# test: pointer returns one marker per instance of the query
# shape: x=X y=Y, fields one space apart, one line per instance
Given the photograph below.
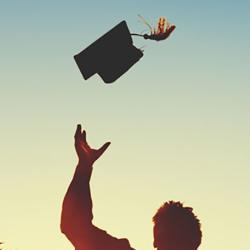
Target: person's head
x=176 y=227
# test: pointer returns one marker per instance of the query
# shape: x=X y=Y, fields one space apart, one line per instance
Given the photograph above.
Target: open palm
x=85 y=153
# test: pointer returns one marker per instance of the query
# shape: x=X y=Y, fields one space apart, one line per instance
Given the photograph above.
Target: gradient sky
x=178 y=120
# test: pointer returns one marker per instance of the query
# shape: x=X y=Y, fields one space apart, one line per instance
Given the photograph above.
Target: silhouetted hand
x=85 y=153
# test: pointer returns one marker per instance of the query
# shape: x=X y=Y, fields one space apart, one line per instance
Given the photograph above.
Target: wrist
x=85 y=164
x=85 y=168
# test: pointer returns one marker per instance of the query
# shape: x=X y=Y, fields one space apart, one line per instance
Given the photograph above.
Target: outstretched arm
x=77 y=205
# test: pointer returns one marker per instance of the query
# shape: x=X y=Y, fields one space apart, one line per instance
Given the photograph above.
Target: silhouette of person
x=175 y=226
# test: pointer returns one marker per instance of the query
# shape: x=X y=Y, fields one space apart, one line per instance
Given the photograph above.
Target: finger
x=101 y=150
x=84 y=136
x=78 y=131
x=84 y=140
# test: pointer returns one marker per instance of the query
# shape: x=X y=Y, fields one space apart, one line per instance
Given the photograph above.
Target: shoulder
x=107 y=241
x=124 y=244
x=97 y=239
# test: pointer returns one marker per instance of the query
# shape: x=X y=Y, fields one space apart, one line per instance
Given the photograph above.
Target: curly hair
x=176 y=227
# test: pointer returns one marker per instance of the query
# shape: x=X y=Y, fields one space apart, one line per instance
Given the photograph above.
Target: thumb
x=101 y=150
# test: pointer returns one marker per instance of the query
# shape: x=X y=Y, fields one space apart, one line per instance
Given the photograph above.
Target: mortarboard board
x=110 y=56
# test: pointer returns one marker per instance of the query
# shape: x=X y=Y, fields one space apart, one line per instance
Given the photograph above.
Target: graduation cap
x=110 y=56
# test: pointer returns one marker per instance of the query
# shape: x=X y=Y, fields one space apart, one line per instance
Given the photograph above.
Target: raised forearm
x=81 y=190
x=77 y=204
